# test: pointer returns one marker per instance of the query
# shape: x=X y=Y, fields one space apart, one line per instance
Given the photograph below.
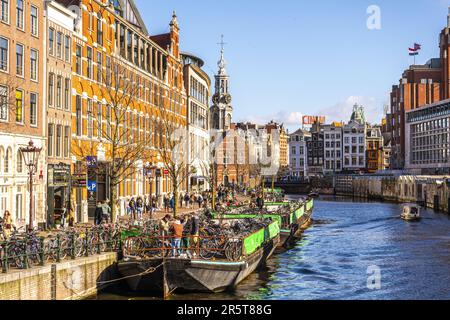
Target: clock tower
x=221 y=111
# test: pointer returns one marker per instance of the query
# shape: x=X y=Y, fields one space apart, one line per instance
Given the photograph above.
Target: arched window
x=1 y=158
x=19 y=162
x=8 y=151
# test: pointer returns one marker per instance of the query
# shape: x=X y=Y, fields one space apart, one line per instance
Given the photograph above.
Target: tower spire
x=222 y=62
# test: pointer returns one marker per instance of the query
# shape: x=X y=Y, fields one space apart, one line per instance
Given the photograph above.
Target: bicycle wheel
x=80 y=250
x=65 y=249
x=207 y=247
x=49 y=251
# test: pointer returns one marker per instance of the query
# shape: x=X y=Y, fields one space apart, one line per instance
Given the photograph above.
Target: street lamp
x=30 y=154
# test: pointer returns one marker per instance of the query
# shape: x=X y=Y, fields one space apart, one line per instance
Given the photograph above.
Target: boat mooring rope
x=148 y=271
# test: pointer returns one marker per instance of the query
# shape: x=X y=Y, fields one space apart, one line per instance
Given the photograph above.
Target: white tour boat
x=411 y=212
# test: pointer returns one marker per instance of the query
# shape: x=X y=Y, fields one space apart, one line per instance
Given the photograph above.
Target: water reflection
x=331 y=260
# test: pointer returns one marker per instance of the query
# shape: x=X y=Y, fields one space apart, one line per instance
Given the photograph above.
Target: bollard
x=85 y=242
x=110 y=241
x=58 y=248
x=98 y=242
x=25 y=257
x=5 y=265
x=41 y=252
x=72 y=246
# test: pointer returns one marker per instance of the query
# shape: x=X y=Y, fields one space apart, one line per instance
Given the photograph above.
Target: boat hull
x=186 y=275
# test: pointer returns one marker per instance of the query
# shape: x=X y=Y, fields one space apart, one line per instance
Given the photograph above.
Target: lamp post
x=30 y=154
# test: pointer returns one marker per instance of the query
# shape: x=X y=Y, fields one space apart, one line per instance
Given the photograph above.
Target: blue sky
x=292 y=57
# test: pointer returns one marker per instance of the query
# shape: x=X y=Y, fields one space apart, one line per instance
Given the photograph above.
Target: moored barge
x=292 y=217
x=167 y=274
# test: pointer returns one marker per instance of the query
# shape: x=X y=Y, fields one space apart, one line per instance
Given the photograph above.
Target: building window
x=108 y=120
x=58 y=140
x=79 y=114
x=19 y=162
x=59 y=45
x=33 y=109
x=67 y=48
x=19 y=60
x=99 y=67
x=33 y=64
x=51 y=88
x=66 y=141
x=4 y=14
x=58 y=91
x=67 y=94
x=6 y=161
x=51 y=41
x=19 y=106
x=99 y=120
x=19 y=204
x=50 y=140
x=99 y=30
x=89 y=63
x=78 y=60
x=34 y=21
x=4 y=108
x=19 y=14
x=108 y=70
x=89 y=119
x=4 y=55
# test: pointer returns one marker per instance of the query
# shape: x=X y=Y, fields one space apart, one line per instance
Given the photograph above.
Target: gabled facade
x=109 y=37
x=22 y=112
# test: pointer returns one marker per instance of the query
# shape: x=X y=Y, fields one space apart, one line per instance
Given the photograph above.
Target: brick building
x=22 y=115
x=114 y=52
x=58 y=101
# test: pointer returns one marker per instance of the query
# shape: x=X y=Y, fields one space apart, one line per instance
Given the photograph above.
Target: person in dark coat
x=99 y=213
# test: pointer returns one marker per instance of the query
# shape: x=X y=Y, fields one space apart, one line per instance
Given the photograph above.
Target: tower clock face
x=216 y=98
x=227 y=99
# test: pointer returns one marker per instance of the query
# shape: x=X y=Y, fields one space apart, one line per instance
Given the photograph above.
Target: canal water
x=350 y=249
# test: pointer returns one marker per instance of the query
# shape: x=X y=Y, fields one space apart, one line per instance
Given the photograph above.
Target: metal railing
x=24 y=251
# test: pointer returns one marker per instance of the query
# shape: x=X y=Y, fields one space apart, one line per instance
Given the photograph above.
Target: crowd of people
x=183 y=232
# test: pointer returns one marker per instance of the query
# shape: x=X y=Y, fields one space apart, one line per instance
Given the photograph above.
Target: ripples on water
x=331 y=260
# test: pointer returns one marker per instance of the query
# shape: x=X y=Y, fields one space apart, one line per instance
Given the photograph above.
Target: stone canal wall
x=432 y=191
x=70 y=280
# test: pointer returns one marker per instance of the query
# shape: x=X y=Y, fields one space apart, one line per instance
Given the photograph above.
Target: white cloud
x=287 y=118
x=342 y=111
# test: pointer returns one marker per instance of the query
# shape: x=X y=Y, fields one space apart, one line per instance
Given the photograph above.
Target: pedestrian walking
x=185 y=243
x=186 y=200
x=195 y=230
x=172 y=203
x=7 y=225
x=166 y=201
x=139 y=208
x=99 y=213
x=106 y=215
x=200 y=200
x=177 y=234
x=132 y=205
x=164 y=225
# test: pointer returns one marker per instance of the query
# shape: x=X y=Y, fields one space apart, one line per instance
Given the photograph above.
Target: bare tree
x=172 y=150
x=121 y=132
x=8 y=101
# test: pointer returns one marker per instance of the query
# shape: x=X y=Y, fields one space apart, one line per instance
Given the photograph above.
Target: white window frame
x=6 y=103
x=20 y=27
x=7 y=55
x=36 y=79
x=23 y=60
x=34 y=28
x=37 y=110
x=8 y=15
